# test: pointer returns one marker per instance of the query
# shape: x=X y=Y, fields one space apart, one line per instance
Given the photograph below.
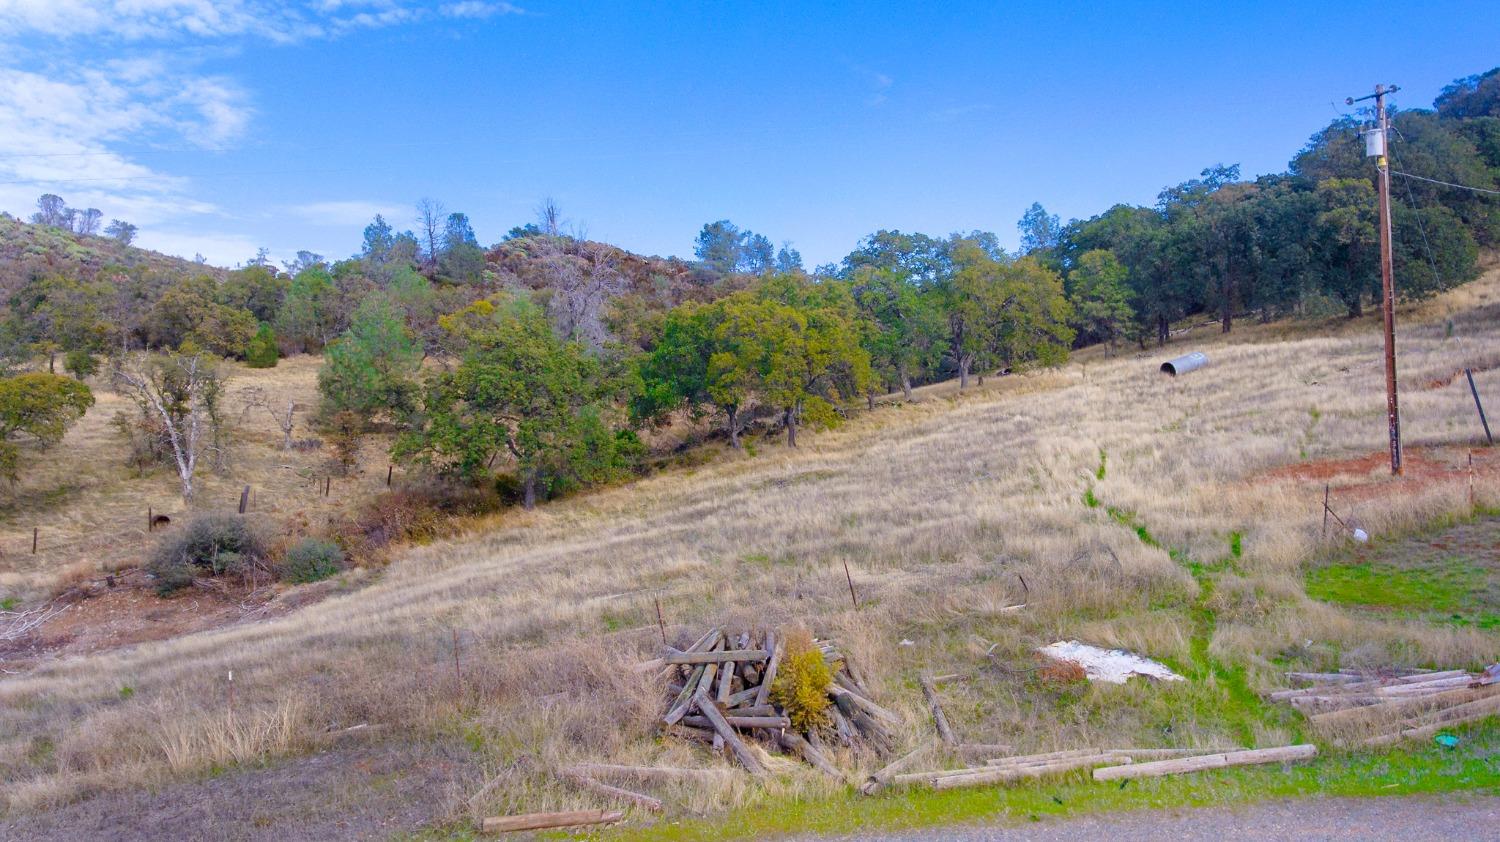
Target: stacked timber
x=719 y=691
x=1382 y=710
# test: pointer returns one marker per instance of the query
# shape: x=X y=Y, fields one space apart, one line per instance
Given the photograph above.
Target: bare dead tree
x=430 y=218
x=549 y=215
x=183 y=393
x=255 y=397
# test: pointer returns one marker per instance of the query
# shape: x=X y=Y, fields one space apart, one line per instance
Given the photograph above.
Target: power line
x=1422 y=229
x=1447 y=183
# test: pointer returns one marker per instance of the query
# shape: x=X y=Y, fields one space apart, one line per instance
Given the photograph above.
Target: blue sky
x=219 y=126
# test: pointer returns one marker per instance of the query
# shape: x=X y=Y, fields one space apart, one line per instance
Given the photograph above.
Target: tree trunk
x=734 y=427
x=528 y=501
x=870 y=400
x=1163 y=330
x=791 y=427
x=964 y=361
x=906 y=385
x=1356 y=306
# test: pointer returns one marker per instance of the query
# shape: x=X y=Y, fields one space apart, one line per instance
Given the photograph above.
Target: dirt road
x=1409 y=819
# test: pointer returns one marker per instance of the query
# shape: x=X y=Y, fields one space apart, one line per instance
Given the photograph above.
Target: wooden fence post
x=1479 y=406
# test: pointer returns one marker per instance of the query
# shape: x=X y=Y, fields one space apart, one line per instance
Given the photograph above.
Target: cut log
x=1007 y=774
x=649 y=773
x=726 y=676
x=841 y=726
x=1322 y=677
x=1438 y=720
x=731 y=739
x=979 y=750
x=1397 y=708
x=792 y=741
x=540 y=821
x=1045 y=757
x=1282 y=754
x=770 y=677
x=751 y=710
x=878 y=781
x=1374 y=685
x=864 y=704
x=737 y=721
x=718 y=657
x=1160 y=753
x=748 y=696
x=1436 y=686
x=938 y=719
x=648 y=666
x=640 y=800
x=684 y=699
x=709 y=640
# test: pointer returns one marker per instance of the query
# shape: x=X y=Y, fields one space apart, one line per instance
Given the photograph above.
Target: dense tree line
x=1300 y=242
x=539 y=359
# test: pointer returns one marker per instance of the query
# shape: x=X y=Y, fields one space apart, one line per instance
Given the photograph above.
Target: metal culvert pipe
x=1185 y=363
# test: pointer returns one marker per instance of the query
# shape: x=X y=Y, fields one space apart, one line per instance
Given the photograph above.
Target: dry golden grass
x=940 y=508
x=90 y=508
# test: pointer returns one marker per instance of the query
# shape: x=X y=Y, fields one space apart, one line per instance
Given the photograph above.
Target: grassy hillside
x=1175 y=517
x=26 y=249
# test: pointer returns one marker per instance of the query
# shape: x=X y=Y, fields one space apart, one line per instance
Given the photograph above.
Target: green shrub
x=262 y=352
x=801 y=687
x=208 y=544
x=312 y=559
x=80 y=364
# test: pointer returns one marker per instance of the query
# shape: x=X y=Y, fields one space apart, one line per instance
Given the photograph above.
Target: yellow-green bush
x=802 y=682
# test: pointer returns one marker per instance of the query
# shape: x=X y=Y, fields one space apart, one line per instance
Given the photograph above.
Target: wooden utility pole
x=1376 y=147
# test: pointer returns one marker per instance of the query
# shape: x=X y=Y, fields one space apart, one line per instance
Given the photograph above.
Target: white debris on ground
x=1113 y=665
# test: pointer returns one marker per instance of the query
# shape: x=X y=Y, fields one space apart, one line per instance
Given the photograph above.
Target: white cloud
x=56 y=134
x=221 y=249
x=351 y=212
x=477 y=9
x=142 y=20
x=67 y=116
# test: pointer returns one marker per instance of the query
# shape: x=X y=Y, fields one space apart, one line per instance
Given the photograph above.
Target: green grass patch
x=1386 y=585
x=1416 y=769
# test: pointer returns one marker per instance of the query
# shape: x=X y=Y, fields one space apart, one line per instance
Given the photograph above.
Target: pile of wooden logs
x=1375 y=710
x=1107 y=764
x=720 y=692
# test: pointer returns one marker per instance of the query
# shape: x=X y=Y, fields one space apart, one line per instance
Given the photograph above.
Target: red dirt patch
x=1368 y=477
x=124 y=610
x=1440 y=382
